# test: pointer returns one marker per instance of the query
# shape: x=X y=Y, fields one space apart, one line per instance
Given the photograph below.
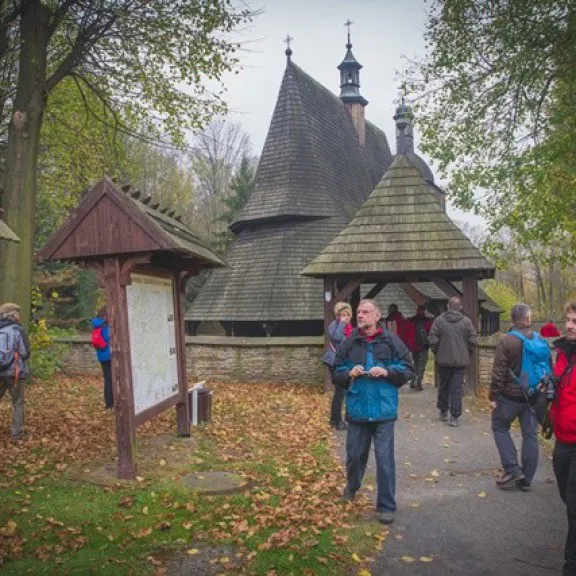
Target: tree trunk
x=19 y=195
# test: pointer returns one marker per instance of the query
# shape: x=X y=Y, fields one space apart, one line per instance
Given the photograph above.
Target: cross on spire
x=348 y=23
x=287 y=41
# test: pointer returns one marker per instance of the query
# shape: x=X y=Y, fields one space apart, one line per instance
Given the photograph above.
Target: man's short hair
x=520 y=312
x=571 y=308
x=454 y=303
x=393 y=307
x=8 y=309
x=368 y=301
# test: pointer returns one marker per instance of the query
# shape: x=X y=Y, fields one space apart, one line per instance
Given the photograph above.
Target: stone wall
x=251 y=359
x=229 y=359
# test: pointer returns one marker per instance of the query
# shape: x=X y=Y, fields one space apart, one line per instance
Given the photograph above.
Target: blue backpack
x=535 y=361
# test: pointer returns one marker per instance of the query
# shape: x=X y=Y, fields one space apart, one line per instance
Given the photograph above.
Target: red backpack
x=97 y=339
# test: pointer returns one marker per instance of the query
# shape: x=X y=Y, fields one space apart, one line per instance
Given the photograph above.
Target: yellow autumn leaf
x=356 y=558
x=426 y=559
x=192 y=551
x=482 y=495
x=408 y=559
x=364 y=572
x=435 y=473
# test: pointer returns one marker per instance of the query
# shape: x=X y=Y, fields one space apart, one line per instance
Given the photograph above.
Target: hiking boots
x=523 y=484
x=454 y=422
x=385 y=517
x=508 y=481
x=444 y=415
x=348 y=496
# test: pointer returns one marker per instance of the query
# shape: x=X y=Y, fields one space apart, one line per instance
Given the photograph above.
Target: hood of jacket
x=453 y=315
x=567 y=346
x=98 y=322
x=8 y=322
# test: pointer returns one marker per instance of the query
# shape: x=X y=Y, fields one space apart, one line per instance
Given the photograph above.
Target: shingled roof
x=312 y=177
x=402 y=230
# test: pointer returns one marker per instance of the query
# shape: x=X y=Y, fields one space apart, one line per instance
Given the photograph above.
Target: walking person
x=340 y=328
x=519 y=351
x=422 y=325
x=452 y=339
x=14 y=371
x=563 y=416
x=371 y=365
x=101 y=342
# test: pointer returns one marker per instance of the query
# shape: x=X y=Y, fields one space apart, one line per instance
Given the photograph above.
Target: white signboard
x=152 y=340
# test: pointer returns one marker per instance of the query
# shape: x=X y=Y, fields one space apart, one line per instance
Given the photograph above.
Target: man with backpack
x=422 y=325
x=521 y=361
x=14 y=353
x=101 y=343
x=563 y=416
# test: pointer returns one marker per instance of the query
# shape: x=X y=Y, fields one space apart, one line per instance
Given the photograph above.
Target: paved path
x=461 y=519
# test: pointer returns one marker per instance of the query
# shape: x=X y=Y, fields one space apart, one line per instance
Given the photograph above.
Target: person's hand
x=378 y=372
x=357 y=371
x=493 y=404
x=345 y=317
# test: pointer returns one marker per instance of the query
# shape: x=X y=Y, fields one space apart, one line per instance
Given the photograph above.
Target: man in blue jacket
x=372 y=364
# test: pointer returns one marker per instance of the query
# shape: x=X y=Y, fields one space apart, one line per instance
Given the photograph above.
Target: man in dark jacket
x=14 y=353
x=372 y=364
x=509 y=401
x=422 y=325
x=563 y=416
x=452 y=339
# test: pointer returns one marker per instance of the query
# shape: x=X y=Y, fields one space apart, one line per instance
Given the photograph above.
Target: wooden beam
x=347 y=291
x=178 y=293
x=329 y=296
x=470 y=308
x=446 y=287
x=414 y=294
x=375 y=290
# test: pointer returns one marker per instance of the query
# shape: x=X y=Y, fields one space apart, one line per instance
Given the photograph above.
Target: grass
x=288 y=519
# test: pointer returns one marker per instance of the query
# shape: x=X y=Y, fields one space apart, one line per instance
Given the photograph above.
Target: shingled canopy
x=312 y=177
x=402 y=234
x=118 y=233
x=5 y=232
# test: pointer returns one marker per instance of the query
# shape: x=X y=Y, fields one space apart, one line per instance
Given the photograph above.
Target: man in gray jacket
x=14 y=352
x=452 y=339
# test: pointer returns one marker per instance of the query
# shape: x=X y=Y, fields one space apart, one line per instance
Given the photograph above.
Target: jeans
x=358 y=444
x=450 y=390
x=108 y=395
x=17 y=394
x=336 y=409
x=420 y=357
x=502 y=416
x=564 y=462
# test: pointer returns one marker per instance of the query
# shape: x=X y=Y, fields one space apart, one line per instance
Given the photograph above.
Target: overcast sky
x=384 y=34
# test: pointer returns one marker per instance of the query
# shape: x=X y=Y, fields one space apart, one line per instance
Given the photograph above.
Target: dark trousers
x=336 y=409
x=420 y=358
x=502 y=417
x=108 y=396
x=564 y=462
x=450 y=390
x=358 y=444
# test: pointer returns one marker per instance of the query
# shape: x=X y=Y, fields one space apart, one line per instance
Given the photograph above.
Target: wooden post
x=182 y=416
x=354 y=301
x=470 y=305
x=329 y=290
x=115 y=281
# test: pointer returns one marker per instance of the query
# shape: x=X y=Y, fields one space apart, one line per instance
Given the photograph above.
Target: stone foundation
x=233 y=359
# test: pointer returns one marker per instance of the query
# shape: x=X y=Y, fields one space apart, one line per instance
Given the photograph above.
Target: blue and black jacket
x=372 y=399
x=104 y=354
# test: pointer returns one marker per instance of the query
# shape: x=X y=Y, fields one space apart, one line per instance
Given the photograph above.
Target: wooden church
x=321 y=161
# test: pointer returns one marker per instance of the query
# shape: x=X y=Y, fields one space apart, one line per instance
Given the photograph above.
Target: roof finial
x=287 y=41
x=348 y=23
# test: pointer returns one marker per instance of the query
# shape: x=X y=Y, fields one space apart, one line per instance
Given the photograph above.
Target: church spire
x=350 y=75
x=404 y=130
x=288 y=50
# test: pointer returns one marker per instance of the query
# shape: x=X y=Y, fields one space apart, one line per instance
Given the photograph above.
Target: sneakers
x=507 y=481
x=340 y=426
x=385 y=517
x=348 y=496
x=522 y=484
x=454 y=422
x=444 y=415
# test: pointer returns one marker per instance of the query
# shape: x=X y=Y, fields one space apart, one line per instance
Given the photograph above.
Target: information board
x=152 y=340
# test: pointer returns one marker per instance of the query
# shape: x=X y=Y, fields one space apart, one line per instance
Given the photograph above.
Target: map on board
x=152 y=340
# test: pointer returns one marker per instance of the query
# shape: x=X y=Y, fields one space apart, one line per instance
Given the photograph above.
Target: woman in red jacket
x=563 y=416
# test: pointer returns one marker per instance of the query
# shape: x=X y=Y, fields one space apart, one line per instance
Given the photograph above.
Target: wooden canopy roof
x=112 y=221
x=5 y=232
x=401 y=232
